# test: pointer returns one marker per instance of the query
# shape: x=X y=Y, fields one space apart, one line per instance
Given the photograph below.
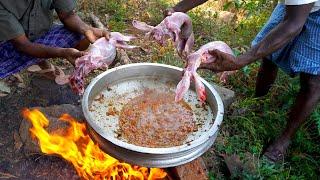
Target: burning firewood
x=76 y=146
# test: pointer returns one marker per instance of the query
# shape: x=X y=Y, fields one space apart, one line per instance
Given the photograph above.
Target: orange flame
x=77 y=147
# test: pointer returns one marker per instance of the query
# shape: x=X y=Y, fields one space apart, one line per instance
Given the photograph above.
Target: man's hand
x=92 y=34
x=222 y=62
x=23 y=44
x=183 y=6
x=168 y=12
x=72 y=54
x=73 y=22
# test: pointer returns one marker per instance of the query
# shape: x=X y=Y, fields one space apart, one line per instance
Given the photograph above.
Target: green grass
x=250 y=123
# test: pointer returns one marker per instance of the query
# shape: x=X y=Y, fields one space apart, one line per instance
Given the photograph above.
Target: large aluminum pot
x=123 y=80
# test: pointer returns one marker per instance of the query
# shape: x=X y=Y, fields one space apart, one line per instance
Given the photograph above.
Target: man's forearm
x=39 y=50
x=281 y=35
x=186 y=5
x=73 y=22
x=275 y=40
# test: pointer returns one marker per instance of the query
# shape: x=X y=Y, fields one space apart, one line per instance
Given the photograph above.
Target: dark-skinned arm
x=287 y=30
x=23 y=44
x=184 y=6
x=74 y=23
x=283 y=33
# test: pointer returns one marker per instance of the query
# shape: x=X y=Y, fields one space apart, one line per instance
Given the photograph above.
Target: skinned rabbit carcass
x=194 y=60
x=100 y=55
x=177 y=26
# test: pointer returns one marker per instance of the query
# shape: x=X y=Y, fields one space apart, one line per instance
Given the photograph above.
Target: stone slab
x=227 y=95
x=53 y=93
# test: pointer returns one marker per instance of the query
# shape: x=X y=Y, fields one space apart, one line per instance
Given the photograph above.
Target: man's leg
x=306 y=101
x=266 y=77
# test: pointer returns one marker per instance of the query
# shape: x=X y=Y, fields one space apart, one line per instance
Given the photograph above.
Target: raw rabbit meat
x=100 y=55
x=177 y=26
x=194 y=60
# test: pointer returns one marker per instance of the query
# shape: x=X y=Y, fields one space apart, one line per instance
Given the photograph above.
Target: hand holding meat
x=205 y=57
x=72 y=53
x=100 y=55
x=178 y=26
x=168 y=12
x=221 y=61
x=221 y=53
x=93 y=34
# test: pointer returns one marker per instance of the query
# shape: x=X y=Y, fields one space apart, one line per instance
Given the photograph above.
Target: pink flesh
x=224 y=76
x=190 y=72
x=116 y=36
x=96 y=58
x=62 y=80
x=200 y=89
x=208 y=58
x=219 y=45
x=189 y=44
x=194 y=61
x=177 y=26
x=142 y=26
x=183 y=86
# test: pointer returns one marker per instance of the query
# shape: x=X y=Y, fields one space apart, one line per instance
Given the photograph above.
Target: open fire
x=75 y=145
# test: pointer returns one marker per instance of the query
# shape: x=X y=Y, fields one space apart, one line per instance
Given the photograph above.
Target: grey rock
x=227 y=95
x=234 y=164
x=52 y=93
x=237 y=167
x=38 y=167
x=4 y=87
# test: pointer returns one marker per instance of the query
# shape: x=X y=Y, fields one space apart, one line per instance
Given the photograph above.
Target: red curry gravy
x=154 y=119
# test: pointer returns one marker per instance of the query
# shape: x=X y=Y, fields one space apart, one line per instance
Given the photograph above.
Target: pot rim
x=167 y=150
